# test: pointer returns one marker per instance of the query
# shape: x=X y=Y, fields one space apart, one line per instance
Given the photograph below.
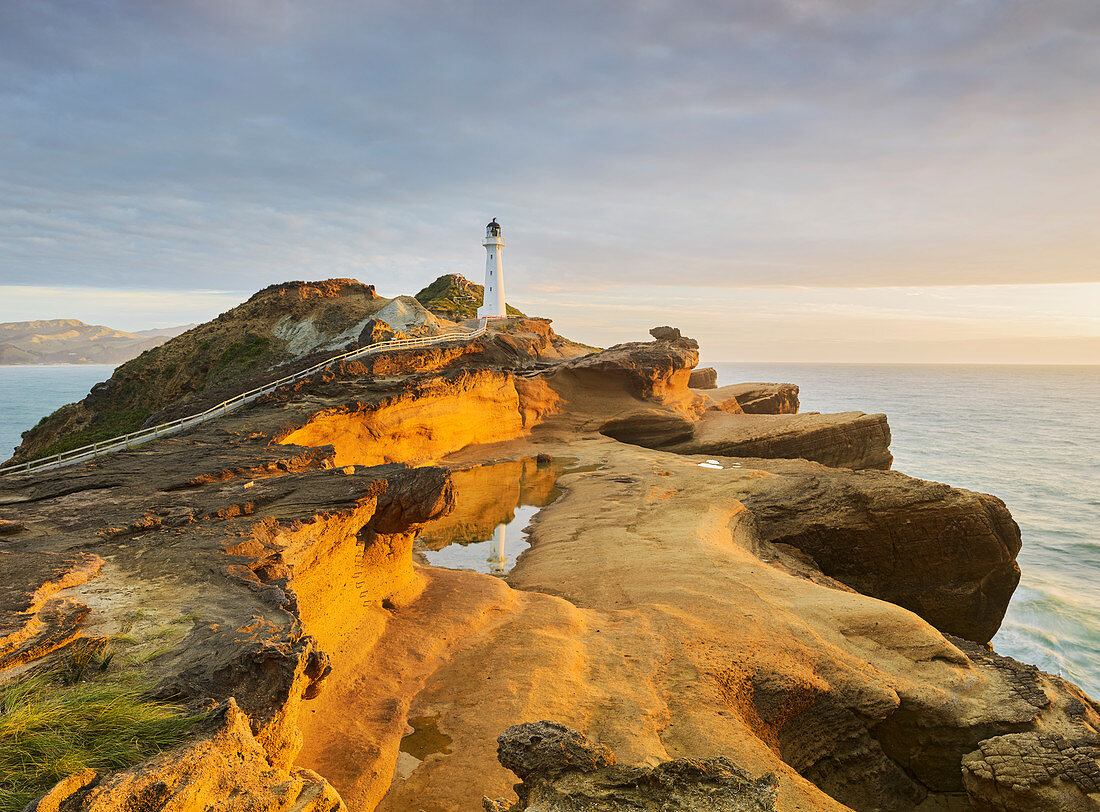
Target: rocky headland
x=792 y=626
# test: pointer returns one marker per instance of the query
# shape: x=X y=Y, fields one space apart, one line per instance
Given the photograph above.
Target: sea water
x=1028 y=434
x=29 y=393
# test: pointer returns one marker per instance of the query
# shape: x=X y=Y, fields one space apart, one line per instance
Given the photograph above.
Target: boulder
x=704 y=378
x=549 y=749
x=562 y=771
x=947 y=554
x=665 y=333
x=375 y=331
x=760 y=398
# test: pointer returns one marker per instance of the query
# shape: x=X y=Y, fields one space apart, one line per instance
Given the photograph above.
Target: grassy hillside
x=218 y=355
x=456 y=298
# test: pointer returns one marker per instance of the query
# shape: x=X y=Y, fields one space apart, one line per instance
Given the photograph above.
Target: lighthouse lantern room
x=492 y=303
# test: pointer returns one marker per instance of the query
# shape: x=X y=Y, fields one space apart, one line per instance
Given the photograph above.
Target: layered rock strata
x=846 y=440
x=672 y=611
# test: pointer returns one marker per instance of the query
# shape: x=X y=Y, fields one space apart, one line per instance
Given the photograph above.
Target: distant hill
x=70 y=341
x=166 y=332
x=455 y=297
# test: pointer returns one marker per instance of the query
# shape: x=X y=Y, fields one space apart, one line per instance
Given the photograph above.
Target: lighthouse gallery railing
x=136 y=438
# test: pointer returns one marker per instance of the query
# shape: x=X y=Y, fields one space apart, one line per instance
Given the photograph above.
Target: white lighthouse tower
x=492 y=304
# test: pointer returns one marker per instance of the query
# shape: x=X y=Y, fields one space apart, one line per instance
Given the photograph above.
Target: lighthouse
x=492 y=303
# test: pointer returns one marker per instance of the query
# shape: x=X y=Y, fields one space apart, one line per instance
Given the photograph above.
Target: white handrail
x=135 y=438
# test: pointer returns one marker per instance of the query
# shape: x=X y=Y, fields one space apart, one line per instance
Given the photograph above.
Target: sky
x=785 y=180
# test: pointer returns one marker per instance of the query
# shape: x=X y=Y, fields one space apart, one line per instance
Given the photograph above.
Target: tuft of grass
x=52 y=727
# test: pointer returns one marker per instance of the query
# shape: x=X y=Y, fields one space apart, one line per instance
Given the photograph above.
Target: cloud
x=692 y=143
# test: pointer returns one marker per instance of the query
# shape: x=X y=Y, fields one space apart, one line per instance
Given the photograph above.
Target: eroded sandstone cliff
x=795 y=618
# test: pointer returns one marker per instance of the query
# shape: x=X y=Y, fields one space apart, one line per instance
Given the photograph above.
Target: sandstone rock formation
x=760 y=398
x=782 y=614
x=564 y=772
x=1022 y=771
x=278 y=330
x=374 y=331
x=703 y=378
x=846 y=440
x=947 y=554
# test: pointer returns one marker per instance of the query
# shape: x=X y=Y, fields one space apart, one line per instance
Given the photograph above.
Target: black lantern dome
x=493 y=229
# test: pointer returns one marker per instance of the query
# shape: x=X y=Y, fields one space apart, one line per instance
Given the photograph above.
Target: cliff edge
x=809 y=635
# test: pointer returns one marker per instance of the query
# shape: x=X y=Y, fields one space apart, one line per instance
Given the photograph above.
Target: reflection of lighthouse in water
x=498 y=562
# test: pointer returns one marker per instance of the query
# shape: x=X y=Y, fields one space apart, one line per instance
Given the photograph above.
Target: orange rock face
x=441 y=416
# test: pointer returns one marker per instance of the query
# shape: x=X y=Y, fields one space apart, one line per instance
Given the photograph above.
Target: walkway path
x=136 y=438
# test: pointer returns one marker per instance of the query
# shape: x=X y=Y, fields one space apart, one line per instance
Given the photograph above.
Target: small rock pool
x=493 y=506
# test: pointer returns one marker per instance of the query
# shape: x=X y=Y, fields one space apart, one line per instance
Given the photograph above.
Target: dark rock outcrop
x=760 y=398
x=665 y=333
x=549 y=749
x=847 y=440
x=562 y=771
x=651 y=428
x=1033 y=772
x=945 y=553
x=703 y=378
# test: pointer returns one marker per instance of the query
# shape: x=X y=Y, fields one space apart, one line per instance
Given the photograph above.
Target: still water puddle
x=493 y=505
x=425 y=739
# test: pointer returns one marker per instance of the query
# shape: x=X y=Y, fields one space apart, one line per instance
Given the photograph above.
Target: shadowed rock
x=704 y=378
x=847 y=440
x=549 y=749
x=947 y=554
x=651 y=428
x=760 y=398
x=1031 y=772
x=562 y=771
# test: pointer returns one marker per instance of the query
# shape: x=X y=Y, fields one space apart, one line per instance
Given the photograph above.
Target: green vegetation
x=244 y=353
x=80 y=714
x=138 y=389
x=109 y=423
x=456 y=298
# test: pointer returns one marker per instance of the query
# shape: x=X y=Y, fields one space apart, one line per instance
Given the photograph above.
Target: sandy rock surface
x=788 y=616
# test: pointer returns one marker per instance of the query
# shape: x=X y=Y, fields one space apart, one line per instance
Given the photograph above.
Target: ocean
x=1028 y=434
x=29 y=393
